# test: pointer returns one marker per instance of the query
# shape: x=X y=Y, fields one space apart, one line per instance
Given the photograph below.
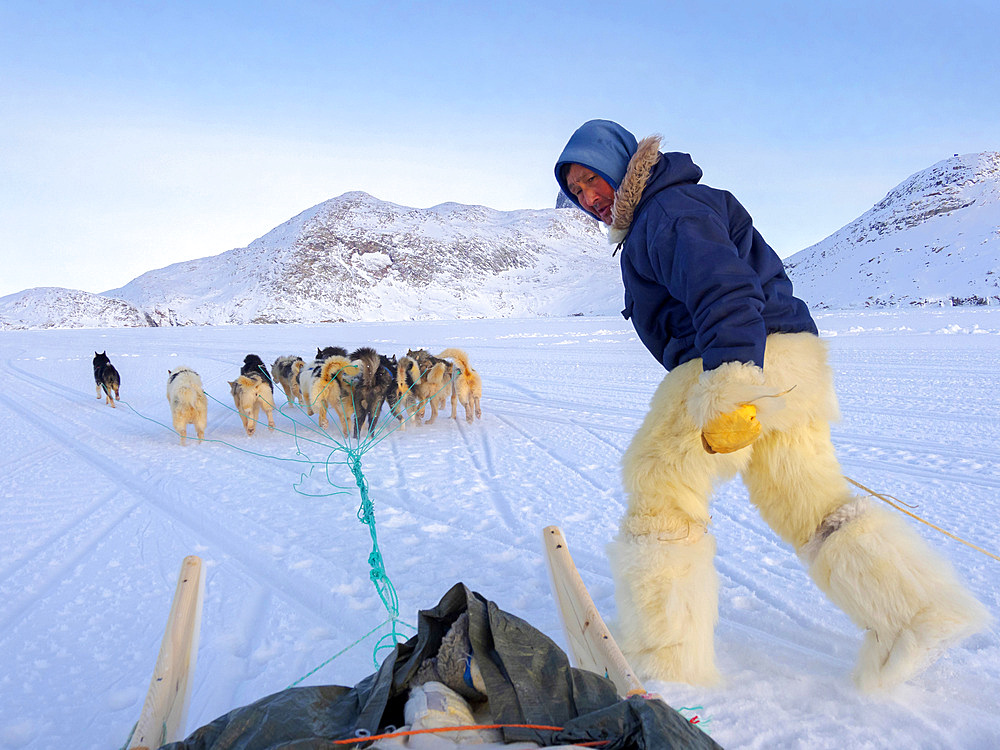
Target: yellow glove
x=731 y=431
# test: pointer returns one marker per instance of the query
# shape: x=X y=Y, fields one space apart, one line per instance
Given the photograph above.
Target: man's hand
x=731 y=431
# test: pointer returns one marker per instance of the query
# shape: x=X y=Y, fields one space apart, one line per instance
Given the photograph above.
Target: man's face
x=593 y=192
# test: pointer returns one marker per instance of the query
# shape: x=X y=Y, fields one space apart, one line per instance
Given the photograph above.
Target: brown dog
x=434 y=385
x=467 y=384
x=403 y=400
x=251 y=393
x=371 y=389
x=327 y=384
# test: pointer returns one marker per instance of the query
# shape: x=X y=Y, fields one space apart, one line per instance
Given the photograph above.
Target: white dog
x=188 y=404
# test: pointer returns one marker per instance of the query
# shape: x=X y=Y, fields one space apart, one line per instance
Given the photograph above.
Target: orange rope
x=471 y=727
x=474 y=727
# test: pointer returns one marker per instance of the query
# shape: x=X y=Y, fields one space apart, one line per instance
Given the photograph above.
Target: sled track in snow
x=306 y=594
x=487 y=472
x=917 y=471
x=541 y=446
x=551 y=412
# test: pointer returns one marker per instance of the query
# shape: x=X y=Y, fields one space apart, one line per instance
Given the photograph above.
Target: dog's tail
x=244 y=390
x=248 y=381
x=335 y=366
x=459 y=356
x=436 y=374
x=368 y=360
x=189 y=390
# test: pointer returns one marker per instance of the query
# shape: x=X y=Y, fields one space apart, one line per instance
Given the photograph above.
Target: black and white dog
x=106 y=378
x=254 y=365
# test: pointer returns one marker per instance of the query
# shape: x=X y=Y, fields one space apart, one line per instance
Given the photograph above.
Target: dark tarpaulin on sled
x=528 y=681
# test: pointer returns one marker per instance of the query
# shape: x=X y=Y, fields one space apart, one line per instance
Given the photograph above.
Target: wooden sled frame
x=165 y=708
x=591 y=644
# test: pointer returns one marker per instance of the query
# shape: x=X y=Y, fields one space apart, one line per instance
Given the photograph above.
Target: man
x=748 y=391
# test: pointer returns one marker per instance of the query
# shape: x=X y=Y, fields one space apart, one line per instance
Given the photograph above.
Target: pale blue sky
x=138 y=134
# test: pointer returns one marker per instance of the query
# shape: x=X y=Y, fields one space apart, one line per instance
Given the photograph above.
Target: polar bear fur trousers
x=864 y=558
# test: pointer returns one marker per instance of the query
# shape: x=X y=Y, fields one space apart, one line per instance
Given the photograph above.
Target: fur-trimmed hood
x=602 y=146
x=610 y=151
x=633 y=185
x=699 y=279
x=648 y=171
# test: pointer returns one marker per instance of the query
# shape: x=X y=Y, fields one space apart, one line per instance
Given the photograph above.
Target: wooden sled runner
x=590 y=642
x=162 y=717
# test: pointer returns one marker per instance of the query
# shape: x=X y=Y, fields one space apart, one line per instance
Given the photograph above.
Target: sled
x=163 y=713
x=590 y=642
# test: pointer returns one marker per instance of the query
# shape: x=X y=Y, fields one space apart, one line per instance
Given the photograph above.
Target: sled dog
x=188 y=404
x=467 y=384
x=285 y=372
x=106 y=378
x=404 y=402
x=391 y=366
x=435 y=382
x=251 y=393
x=371 y=389
x=254 y=365
x=326 y=384
x=330 y=351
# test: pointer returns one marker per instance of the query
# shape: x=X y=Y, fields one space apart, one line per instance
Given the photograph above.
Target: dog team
x=353 y=386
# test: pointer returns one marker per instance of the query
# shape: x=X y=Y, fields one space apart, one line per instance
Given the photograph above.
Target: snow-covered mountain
x=357 y=258
x=934 y=239
x=55 y=307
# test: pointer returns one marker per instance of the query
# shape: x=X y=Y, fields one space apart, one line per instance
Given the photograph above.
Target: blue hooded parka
x=700 y=281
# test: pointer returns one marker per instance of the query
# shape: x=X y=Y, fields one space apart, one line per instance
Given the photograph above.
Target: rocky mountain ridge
x=934 y=239
x=358 y=258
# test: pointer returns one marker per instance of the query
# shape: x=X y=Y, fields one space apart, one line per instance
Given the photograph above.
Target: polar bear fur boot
x=889 y=581
x=667 y=594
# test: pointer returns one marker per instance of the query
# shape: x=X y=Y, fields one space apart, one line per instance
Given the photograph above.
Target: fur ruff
x=630 y=190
